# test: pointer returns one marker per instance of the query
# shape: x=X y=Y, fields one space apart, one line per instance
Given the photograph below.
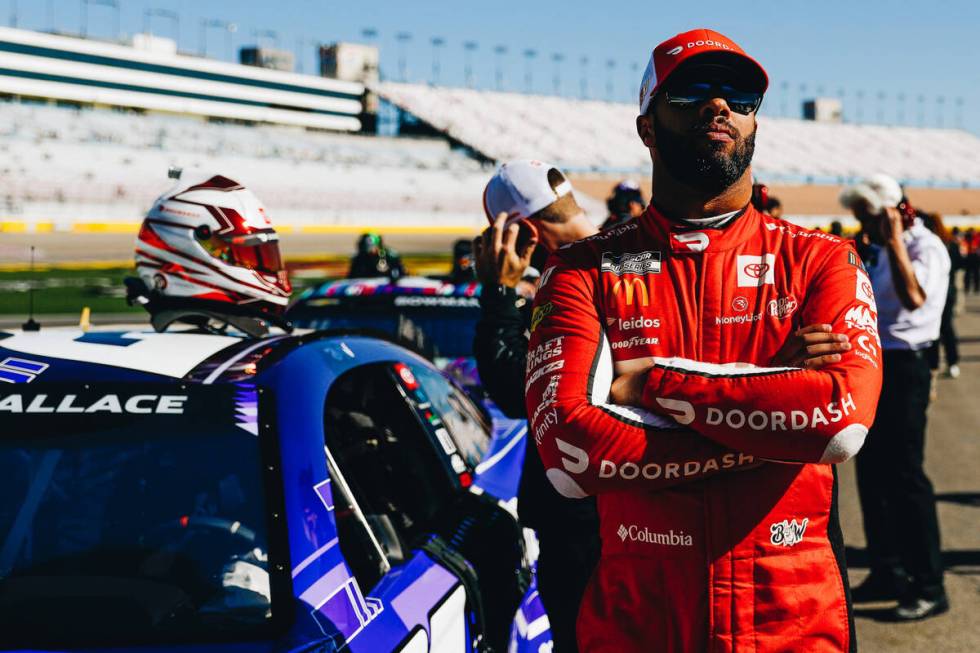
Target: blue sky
x=875 y=48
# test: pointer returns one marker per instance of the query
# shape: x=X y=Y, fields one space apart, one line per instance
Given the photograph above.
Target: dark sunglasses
x=685 y=96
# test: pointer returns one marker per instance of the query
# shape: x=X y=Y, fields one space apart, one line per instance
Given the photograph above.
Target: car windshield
x=448 y=327
x=131 y=516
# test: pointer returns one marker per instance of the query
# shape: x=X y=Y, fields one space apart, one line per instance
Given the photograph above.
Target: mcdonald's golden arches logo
x=633 y=286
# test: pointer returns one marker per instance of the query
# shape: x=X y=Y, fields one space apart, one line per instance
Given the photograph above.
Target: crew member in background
x=625 y=203
x=971 y=274
x=375 y=259
x=730 y=337
x=775 y=207
x=464 y=266
x=530 y=204
x=909 y=270
x=947 y=330
x=764 y=201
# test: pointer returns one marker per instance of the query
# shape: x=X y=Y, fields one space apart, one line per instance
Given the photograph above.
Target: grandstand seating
x=77 y=158
x=587 y=135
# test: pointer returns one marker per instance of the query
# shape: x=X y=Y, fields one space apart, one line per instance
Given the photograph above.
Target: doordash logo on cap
x=670 y=54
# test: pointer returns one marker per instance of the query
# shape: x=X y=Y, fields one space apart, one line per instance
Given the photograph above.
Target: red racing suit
x=717 y=497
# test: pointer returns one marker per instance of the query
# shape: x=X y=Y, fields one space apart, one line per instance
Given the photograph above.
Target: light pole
x=499 y=52
x=635 y=71
x=901 y=109
x=610 y=67
x=162 y=13
x=959 y=113
x=229 y=28
x=529 y=56
x=105 y=3
x=882 y=96
x=402 y=38
x=437 y=42
x=13 y=13
x=784 y=99
x=557 y=58
x=584 y=81
x=940 y=105
x=469 y=47
x=300 y=42
x=266 y=33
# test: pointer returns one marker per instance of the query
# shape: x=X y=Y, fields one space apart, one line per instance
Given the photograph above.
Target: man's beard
x=710 y=172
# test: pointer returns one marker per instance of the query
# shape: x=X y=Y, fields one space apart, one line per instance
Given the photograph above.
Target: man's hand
x=910 y=292
x=627 y=389
x=497 y=258
x=891 y=225
x=812 y=347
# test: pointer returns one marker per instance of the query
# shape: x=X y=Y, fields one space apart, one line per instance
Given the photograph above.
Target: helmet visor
x=256 y=251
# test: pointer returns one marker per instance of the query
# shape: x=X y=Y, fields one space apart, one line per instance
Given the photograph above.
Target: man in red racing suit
x=716 y=487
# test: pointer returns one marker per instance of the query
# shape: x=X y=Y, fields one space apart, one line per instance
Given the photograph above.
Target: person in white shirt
x=908 y=266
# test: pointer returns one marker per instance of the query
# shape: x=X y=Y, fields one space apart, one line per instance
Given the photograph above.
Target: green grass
x=66 y=291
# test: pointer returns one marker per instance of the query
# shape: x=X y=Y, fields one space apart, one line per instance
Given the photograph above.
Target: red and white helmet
x=209 y=238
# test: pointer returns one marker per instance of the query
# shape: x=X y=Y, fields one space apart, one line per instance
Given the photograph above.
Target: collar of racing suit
x=687 y=238
x=713 y=222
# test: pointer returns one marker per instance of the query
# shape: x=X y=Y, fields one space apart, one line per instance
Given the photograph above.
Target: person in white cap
x=909 y=270
x=530 y=203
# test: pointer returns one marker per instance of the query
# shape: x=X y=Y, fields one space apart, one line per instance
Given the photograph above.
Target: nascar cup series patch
x=627 y=263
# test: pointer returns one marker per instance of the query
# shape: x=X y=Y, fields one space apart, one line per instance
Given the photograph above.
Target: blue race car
x=320 y=491
x=437 y=317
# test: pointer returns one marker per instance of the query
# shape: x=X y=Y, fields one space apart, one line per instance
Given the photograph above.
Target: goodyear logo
x=539 y=313
x=632 y=288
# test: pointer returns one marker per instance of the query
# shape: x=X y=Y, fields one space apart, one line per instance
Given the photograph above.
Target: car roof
x=138 y=353
x=384 y=286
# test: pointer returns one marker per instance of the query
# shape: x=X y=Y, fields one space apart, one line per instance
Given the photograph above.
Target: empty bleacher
x=109 y=164
x=592 y=136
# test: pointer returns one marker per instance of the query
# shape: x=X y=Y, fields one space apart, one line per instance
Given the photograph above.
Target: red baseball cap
x=669 y=55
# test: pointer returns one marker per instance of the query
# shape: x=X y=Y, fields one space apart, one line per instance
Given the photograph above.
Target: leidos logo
x=631 y=287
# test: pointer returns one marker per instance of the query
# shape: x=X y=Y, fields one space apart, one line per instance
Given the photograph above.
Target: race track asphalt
x=952 y=463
